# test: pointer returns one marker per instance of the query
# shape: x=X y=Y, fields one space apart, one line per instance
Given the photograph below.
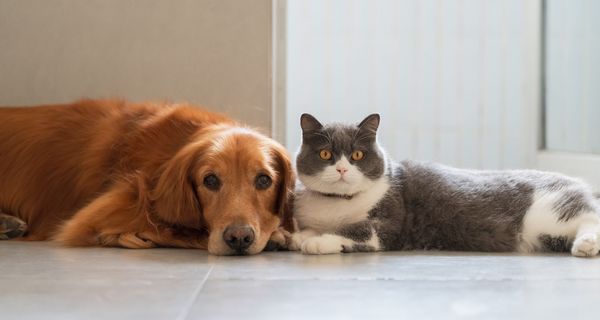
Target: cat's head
x=338 y=158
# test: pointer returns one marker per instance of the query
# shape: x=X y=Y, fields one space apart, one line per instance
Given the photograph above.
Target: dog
x=140 y=175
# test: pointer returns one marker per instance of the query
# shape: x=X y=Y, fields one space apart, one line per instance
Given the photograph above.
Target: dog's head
x=231 y=181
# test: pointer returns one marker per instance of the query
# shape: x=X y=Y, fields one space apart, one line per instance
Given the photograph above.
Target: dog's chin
x=221 y=249
x=231 y=252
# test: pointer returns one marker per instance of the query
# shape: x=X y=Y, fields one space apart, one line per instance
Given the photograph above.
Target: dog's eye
x=263 y=182
x=212 y=182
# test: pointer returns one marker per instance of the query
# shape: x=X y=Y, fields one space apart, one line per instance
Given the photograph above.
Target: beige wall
x=211 y=52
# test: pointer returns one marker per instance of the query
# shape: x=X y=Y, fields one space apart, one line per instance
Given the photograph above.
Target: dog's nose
x=238 y=237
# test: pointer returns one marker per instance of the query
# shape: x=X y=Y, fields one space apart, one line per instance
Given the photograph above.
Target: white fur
x=325 y=214
x=325 y=244
x=319 y=216
x=541 y=218
x=310 y=242
x=586 y=245
x=299 y=237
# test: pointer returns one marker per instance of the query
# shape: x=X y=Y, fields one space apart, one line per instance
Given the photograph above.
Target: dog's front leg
x=178 y=237
x=112 y=220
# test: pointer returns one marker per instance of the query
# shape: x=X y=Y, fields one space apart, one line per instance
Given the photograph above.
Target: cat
x=352 y=197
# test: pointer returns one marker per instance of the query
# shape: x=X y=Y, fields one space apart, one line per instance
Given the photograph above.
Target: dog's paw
x=324 y=244
x=133 y=241
x=11 y=227
x=586 y=245
x=279 y=240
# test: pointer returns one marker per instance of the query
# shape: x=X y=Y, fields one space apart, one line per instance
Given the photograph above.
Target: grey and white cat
x=352 y=197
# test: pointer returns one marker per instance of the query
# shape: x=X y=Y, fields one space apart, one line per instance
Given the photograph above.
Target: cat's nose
x=341 y=170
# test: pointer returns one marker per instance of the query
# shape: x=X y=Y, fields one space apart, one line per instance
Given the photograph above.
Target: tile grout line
x=188 y=307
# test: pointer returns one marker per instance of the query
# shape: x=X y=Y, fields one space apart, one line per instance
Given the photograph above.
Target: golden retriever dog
x=111 y=173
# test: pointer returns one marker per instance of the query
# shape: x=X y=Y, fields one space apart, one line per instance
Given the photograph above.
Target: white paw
x=325 y=244
x=586 y=245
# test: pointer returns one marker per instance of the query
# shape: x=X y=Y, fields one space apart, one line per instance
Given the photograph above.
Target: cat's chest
x=326 y=214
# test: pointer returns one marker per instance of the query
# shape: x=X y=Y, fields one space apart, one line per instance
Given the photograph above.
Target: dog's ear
x=174 y=195
x=285 y=187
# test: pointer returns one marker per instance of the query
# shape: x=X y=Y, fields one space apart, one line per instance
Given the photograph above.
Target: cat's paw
x=586 y=245
x=297 y=238
x=324 y=244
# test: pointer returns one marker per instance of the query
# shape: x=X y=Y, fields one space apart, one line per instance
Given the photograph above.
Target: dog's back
x=55 y=159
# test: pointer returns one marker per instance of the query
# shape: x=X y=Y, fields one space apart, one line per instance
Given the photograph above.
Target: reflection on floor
x=42 y=281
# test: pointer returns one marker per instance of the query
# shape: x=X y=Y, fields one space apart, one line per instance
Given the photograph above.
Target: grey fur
x=572 y=202
x=358 y=247
x=359 y=232
x=431 y=206
x=555 y=244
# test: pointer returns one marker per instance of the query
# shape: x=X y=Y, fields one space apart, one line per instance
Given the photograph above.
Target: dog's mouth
x=233 y=252
x=240 y=253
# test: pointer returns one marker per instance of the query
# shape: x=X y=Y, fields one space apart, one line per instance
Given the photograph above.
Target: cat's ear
x=370 y=123
x=309 y=123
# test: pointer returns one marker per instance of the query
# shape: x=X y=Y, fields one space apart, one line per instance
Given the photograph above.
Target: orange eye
x=357 y=155
x=325 y=154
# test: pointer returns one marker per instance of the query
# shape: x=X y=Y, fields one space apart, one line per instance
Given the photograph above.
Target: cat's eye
x=263 y=182
x=212 y=182
x=357 y=155
x=325 y=154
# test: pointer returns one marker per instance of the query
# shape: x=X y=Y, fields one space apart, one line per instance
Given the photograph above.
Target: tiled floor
x=42 y=281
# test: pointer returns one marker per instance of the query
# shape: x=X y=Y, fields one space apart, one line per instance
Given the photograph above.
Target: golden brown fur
x=117 y=174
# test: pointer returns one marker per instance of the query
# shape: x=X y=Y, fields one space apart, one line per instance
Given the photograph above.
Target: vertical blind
x=456 y=81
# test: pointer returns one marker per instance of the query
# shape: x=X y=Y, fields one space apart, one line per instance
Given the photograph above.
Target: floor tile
x=40 y=280
x=406 y=266
x=393 y=299
x=44 y=281
x=44 y=260
x=96 y=299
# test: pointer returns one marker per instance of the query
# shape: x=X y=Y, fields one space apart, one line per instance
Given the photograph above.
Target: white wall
x=211 y=52
x=455 y=81
x=573 y=76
